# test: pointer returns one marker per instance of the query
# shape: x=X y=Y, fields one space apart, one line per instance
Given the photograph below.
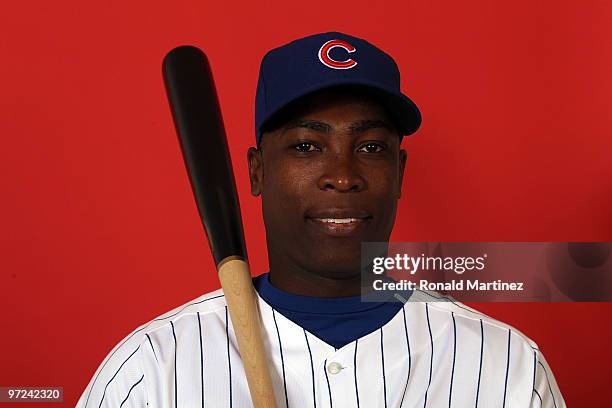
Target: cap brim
x=404 y=111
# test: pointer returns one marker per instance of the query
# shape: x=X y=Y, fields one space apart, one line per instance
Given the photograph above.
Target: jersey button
x=334 y=368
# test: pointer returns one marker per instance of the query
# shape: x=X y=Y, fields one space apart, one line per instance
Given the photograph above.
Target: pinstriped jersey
x=435 y=352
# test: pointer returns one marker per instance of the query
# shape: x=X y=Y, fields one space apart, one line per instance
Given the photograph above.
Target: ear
x=255 y=161
x=403 y=156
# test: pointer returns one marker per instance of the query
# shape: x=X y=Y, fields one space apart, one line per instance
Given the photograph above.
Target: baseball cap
x=326 y=60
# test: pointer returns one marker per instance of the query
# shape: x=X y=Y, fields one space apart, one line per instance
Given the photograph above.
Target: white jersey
x=430 y=354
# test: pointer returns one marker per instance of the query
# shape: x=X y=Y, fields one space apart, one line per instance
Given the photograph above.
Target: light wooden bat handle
x=243 y=309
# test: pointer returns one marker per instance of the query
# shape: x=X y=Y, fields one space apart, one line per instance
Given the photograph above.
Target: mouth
x=339 y=223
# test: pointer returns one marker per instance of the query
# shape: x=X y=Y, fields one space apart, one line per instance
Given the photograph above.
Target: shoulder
x=121 y=374
x=463 y=314
x=505 y=348
x=206 y=305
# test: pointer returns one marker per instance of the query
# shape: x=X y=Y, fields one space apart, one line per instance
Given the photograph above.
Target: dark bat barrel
x=199 y=124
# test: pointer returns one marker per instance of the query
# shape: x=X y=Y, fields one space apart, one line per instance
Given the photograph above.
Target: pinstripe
x=152 y=348
x=327 y=379
x=431 y=358
x=355 y=372
x=481 y=358
x=280 y=347
x=535 y=369
x=201 y=356
x=229 y=361
x=409 y=355
x=314 y=395
x=450 y=393
x=136 y=332
x=507 y=368
x=548 y=382
x=432 y=352
x=113 y=377
x=382 y=357
x=538 y=394
x=175 y=367
x=130 y=391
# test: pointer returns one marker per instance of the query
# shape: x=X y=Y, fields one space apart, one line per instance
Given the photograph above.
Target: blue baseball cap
x=326 y=60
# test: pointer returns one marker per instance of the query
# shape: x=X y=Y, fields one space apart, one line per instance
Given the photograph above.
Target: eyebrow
x=354 y=127
x=365 y=125
x=309 y=124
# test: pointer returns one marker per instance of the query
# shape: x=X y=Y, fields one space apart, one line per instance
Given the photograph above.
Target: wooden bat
x=197 y=117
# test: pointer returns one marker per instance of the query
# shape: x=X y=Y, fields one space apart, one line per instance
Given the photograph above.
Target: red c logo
x=332 y=63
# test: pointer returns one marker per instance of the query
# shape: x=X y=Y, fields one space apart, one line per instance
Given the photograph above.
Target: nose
x=341 y=175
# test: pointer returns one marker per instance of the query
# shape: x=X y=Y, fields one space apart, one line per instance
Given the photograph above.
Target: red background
x=99 y=227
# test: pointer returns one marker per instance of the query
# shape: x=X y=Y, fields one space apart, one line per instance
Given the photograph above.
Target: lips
x=340 y=222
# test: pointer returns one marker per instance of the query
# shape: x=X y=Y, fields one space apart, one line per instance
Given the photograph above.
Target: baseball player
x=328 y=167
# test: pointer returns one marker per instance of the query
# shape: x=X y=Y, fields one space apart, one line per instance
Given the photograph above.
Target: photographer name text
x=453 y=285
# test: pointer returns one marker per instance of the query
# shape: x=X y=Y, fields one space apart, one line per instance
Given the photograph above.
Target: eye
x=305 y=147
x=371 y=148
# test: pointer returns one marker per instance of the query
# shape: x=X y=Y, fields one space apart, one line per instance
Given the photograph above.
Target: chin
x=334 y=264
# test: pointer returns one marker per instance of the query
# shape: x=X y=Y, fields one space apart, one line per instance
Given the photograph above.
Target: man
x=328 y=167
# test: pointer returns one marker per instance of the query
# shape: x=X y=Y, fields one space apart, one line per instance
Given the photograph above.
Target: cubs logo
x=332 y=63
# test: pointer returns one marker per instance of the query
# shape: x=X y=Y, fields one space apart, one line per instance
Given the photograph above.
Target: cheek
x=384 y=181
x=384 y=188
x=289 y=178
x=285 y=188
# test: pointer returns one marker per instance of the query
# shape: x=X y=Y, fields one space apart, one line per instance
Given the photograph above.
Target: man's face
x=329 y=178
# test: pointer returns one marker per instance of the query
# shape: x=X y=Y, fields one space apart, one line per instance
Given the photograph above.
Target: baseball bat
x=199 y=125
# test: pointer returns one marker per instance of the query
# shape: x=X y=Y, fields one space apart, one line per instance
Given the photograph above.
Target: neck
x=310 y=284
x=292 y=278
